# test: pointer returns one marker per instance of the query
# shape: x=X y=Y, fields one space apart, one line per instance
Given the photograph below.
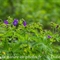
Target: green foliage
x=40 y=38
x=31 y=40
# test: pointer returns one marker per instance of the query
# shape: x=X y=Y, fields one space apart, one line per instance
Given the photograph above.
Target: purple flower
x=24 y=23
x=6 y=22
x=49 y=36
x=15 y=22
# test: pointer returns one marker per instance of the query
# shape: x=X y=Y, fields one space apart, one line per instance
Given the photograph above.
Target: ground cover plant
x=28 y=41
x=29 y=29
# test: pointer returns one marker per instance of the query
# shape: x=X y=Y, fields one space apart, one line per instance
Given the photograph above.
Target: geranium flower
x=24 y=23
x=6 y=22
x=15 y=22
x=49 y=36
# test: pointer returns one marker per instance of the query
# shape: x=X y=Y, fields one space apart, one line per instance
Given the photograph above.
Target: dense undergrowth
x=28 y=41
x=36 y=36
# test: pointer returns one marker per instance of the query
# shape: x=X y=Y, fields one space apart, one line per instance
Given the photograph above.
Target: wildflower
x=49 y=36
x=15 y=22
x=3 y=53
x=24 y=23
x=6 y=22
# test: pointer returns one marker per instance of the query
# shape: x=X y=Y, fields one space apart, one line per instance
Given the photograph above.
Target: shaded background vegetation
x=43 y=11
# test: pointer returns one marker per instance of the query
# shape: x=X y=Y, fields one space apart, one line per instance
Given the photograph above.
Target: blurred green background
x=43 y=11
